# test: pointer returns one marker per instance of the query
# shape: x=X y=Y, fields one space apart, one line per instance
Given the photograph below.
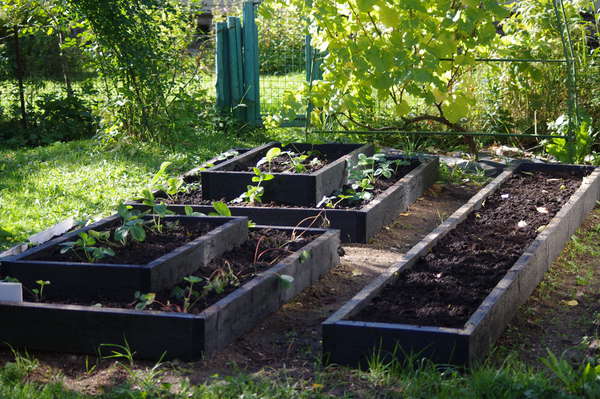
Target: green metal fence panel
x=237 y=67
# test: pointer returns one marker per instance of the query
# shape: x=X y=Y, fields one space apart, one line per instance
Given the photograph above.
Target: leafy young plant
x=269 y=157
x=86 y=243
x=39 y=292
x=143 y=301
x=582 y=147
x=254 y=193
x=221 y=209
x=191 y=296
x=364 y=175
x=133 y=225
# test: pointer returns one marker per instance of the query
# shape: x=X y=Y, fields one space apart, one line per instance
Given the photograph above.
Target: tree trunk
x=20 y=73
x=64 y=64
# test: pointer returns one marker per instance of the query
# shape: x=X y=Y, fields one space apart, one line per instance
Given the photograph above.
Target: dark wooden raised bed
x=352 y=342
x=355 y=225
x=150 y=334
x=81 y=280
x=305 y=189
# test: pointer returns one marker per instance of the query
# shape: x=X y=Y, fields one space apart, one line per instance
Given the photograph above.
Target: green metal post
x=223 y=87
x=234 y=34
x=251 y=65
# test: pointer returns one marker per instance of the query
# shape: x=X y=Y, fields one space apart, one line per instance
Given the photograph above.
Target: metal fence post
x=234 y=34
x=223 y=87
x=251 y=65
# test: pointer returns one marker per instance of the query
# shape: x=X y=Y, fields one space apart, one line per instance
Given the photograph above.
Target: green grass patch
x=412 y=379
x=41 y=186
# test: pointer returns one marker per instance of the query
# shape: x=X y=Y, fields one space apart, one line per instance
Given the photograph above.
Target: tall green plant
x=382 y=53
x=138 y=47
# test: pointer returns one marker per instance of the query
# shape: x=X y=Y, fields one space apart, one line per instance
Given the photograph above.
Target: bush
x=55 y=117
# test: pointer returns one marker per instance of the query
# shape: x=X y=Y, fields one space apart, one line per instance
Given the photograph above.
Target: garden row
x=160 y=270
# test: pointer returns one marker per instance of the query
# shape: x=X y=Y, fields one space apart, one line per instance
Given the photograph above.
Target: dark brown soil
x=446 y=286
x=263 y=249
x=156 y=244
x=284 y=164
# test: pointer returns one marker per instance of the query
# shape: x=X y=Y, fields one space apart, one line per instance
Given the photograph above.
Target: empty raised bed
x=324 y=170
x=267 y=270
x=160 y=261
x=356 y=223
x=454 y=292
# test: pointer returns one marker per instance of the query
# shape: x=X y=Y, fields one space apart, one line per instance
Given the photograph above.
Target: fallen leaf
x=317 y=386
x=572 y=302
x=541 y=209
x=541 y=228
x=405 y=214
x=356 y=273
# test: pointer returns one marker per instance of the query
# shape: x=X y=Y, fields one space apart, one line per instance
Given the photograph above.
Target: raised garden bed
x=153 y=265
x=187 y=336
x=357 y=224
x=454 y=292
x=227 y=180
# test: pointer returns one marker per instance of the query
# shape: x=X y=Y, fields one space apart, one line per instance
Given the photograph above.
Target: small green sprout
x=39 y=292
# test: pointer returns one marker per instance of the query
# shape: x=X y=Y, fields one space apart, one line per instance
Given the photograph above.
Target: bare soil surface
x=465 y=265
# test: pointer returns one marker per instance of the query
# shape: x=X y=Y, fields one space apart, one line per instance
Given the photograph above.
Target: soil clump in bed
x=447 y=285
x=223 y=275
x=156 y=244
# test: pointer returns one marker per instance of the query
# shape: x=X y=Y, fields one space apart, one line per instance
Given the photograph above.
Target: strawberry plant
x=86 y=243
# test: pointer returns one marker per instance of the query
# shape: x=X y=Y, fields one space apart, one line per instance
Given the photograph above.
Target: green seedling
x=189 y=211
x=254 y=194
x=221 y=209
x=143 y=301
x=191 y=297
x=161 y=182
x=39 y=292
x=86 y=243
x=269 y=157
x=133 y=225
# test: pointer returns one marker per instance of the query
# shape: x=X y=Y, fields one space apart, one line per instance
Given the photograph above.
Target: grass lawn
x=42 y=186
